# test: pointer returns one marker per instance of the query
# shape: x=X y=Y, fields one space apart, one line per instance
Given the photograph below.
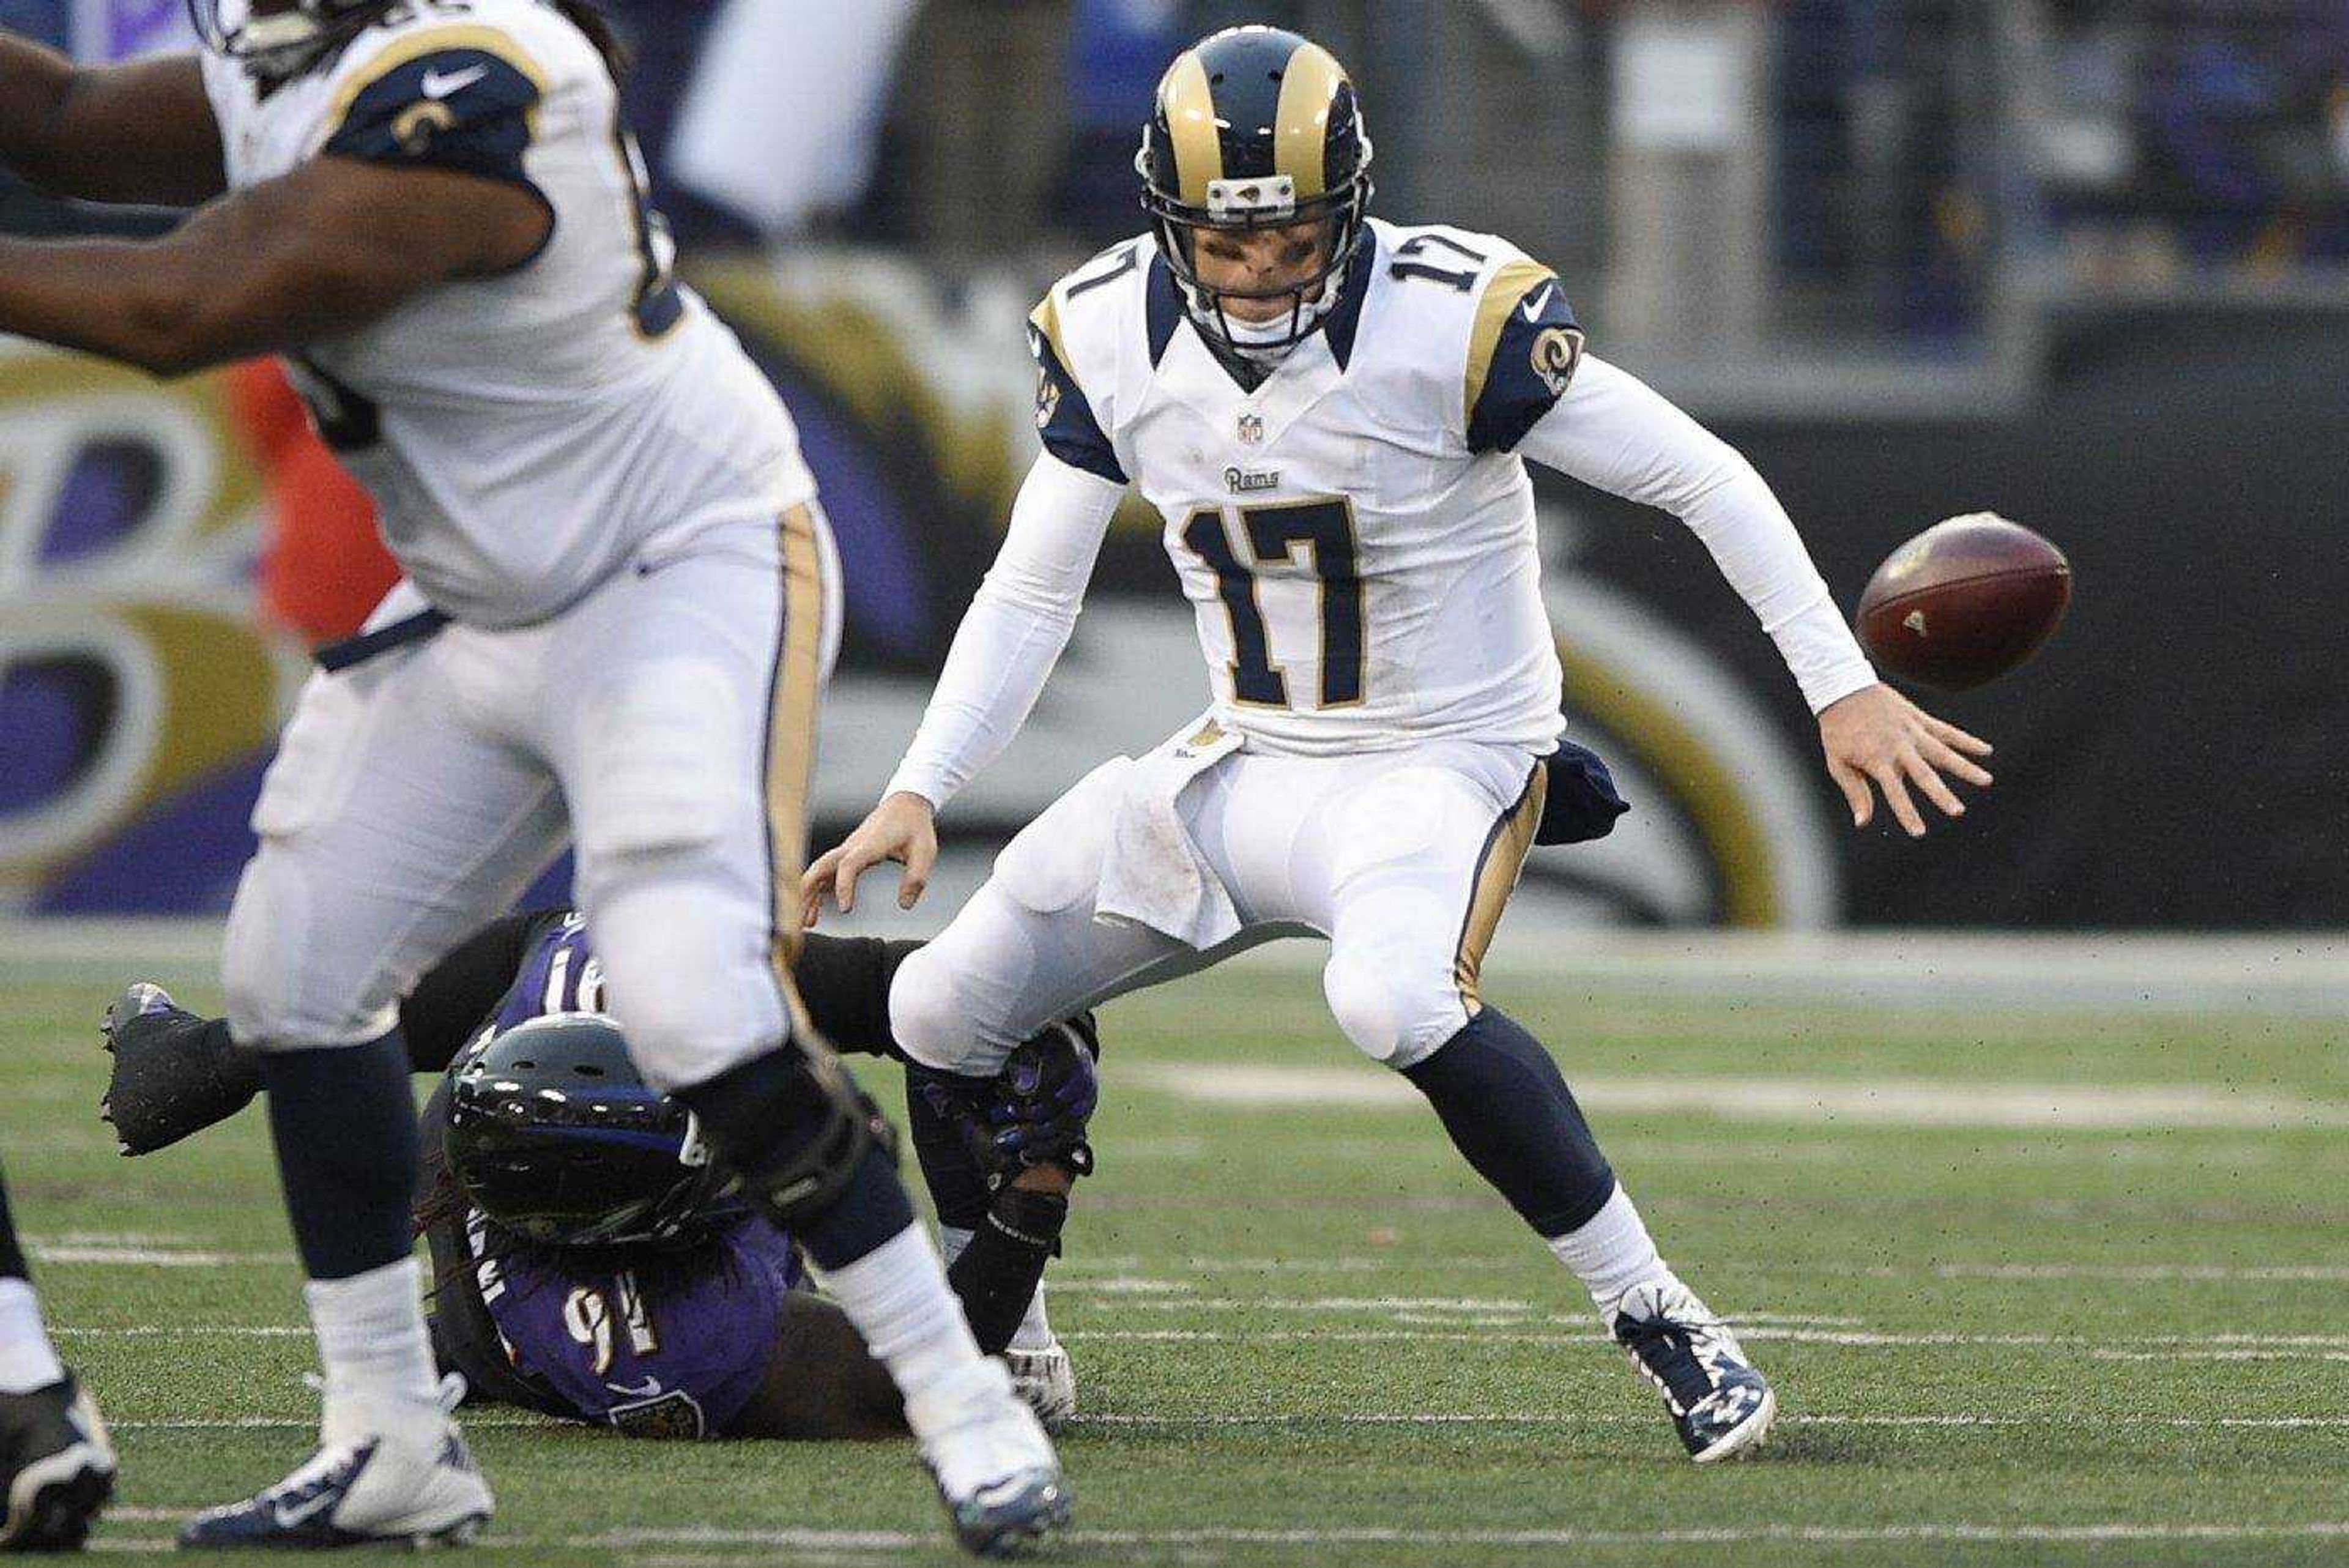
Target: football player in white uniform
x=619 y=612
x=1332 y=414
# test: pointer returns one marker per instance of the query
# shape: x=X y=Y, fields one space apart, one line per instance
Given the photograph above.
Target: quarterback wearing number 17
x=1332 y=414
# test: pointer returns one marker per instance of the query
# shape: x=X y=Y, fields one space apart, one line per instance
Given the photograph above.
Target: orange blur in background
x=323 y=565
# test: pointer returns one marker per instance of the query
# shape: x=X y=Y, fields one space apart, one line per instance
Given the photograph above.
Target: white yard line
x=1849 y=1102
x=1552 y=1419
x=876 y=1541
x=2178 y=1346
x=2199 y=1273
x=152 y=1257
x=2283 y=972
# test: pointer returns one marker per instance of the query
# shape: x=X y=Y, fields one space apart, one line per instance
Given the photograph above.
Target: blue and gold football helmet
x=1256 y=127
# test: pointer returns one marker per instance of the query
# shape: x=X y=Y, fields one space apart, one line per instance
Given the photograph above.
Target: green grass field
x=2035 y=1288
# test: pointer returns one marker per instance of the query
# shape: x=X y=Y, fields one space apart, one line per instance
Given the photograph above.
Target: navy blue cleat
x=1720 y=1404
x=995 y=1471
x=421 y=1489
x=58 y=1465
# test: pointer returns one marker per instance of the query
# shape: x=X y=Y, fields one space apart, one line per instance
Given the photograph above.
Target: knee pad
x=793 y=1126
x=279 y=996
x=928 y=1020
x=1393 y=1013
x=688 y=972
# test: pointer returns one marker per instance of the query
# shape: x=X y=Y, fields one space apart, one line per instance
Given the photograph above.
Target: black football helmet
x=556 y=1137
x=1256 y=127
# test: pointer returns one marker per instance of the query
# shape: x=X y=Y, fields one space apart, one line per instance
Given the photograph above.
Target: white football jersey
x=522 y=434
x=1356 y=534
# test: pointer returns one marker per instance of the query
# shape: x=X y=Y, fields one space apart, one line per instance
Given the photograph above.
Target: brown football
x=1964 y=602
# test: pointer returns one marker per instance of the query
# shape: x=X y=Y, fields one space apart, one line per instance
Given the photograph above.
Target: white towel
x=1153 y=875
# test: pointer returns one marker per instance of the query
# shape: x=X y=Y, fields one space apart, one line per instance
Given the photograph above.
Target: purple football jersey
x=673 y=1345
x=657 y=1343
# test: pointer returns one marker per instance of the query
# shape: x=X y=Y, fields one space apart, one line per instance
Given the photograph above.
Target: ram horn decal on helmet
x=1256 y=127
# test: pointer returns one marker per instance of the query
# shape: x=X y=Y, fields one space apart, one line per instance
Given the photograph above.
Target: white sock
x=896 y=1295
x=377 y=1355
x=27 y=1359
x=1035 y=1331
x=1611 y=1253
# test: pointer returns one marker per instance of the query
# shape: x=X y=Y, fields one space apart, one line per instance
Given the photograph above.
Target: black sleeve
x=844 y=982
x=456 y=994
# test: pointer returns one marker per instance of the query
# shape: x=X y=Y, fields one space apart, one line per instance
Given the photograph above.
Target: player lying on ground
x=1332 y=414
x=620 y=607
x=589 y=1261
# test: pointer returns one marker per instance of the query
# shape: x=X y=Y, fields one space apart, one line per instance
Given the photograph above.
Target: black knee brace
x=793 y=1126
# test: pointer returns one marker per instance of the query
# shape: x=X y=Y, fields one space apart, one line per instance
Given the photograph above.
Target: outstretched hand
x=903 y=828
x=1875 y=739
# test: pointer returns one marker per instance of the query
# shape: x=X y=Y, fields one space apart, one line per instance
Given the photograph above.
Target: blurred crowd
x=2136 y=139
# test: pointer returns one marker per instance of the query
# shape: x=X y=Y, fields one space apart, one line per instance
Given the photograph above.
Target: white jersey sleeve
x=1015 y=631
x=1613 y=431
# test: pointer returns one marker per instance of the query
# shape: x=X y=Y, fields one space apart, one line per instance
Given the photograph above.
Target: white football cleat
x=995 y=1468
x=1045 y=1381
x=415 y=1488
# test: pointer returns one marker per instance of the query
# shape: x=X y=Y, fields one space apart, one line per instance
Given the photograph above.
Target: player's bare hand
x=1875 y=739
x=904 y=829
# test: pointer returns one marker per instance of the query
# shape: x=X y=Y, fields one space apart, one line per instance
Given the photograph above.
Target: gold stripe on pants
x=792 y=699
x=1497 y=871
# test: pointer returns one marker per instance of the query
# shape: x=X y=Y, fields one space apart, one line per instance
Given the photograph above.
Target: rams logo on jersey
x=415 y=129
x=1555 y=353
x=1048 y=397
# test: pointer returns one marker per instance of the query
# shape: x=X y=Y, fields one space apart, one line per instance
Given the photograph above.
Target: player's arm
x=1010 y=637
x=141 y=133
x=1609 y=430
x=325 y=250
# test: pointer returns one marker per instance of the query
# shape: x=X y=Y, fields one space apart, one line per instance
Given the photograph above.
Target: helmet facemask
x=1255 y=129
x=279 y=44
x=1256 y=206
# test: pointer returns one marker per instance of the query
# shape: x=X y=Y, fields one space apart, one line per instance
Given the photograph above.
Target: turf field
x=2036 y=1287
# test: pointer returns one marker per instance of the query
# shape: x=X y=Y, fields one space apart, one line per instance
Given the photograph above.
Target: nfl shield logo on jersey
x=1252 y=430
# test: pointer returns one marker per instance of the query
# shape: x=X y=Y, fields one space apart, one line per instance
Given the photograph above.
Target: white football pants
x=667 y=723
x=1404 y=860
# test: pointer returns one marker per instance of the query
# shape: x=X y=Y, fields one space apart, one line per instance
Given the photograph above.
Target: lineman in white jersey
x=1332 y=414
x=620 y=610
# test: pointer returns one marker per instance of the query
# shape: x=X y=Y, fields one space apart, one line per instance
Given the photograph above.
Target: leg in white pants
x=681 y=720
x=1383 y=852
x=395 y=821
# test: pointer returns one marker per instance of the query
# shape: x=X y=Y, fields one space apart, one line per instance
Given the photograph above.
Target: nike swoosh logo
x=652 y=1387
x=1534 y=306
x=437 y=86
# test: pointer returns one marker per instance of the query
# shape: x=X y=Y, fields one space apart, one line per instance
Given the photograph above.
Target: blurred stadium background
x=2044 y=1233
x=2084 y=262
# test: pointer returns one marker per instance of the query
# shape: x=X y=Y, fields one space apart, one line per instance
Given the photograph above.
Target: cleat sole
x=1746 y=1435
x=1013 y=1534
x=53 y=1503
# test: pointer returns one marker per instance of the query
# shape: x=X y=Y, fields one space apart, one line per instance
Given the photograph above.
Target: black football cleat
x=60 y=1465
x=172 y=1075
x=1720 y=1404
